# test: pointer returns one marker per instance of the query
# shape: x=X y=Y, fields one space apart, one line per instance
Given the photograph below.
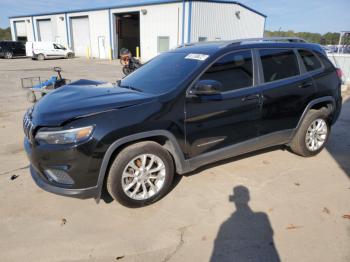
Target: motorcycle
x=129 y=63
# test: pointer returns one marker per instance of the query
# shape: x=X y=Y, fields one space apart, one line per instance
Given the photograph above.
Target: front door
x=218 y=121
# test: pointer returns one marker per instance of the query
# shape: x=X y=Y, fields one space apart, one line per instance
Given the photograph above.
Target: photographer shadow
x=246 y=235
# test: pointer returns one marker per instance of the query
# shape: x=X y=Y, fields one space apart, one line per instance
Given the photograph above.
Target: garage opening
x=80 y=35
x=20 y=31
x=128 y=32
x=44 y=30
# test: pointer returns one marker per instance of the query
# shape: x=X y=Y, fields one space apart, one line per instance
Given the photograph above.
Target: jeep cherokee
x=186 y=108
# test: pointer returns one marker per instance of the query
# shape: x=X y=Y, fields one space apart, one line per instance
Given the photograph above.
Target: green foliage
x=5 y=34
x=325 y=39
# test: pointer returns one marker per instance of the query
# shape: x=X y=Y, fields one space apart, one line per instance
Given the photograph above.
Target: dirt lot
x=298 y=208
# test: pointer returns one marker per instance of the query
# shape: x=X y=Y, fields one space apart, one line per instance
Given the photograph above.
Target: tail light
x=340 y=73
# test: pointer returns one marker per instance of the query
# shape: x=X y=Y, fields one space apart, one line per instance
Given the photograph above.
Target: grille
x=27 y=126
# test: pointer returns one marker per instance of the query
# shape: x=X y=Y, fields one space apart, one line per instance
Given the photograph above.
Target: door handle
x=306 y=84
x=251 y=97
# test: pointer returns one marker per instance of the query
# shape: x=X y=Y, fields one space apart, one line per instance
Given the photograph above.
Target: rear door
x=20 y=49
x=286 y=90
x=2 y=49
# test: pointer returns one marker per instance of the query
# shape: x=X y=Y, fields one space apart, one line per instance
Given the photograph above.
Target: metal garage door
x=80 y=35
x=45 y=30
x=20 y=29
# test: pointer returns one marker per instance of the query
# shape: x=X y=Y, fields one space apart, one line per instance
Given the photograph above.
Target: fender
x=172 y=146
x=309 y=106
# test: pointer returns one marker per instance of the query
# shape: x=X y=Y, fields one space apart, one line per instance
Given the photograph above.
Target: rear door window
x=310 y=60
x=278 y=64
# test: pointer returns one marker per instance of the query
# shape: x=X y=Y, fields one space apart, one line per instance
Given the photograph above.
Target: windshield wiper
x=128 y=87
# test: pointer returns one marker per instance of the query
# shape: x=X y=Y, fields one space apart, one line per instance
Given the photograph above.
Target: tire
x=303 y=146
x=121 y=175
x=8 y=55
x=41 y=57
x=126 y=70
x=70 y=55
x=31 y=97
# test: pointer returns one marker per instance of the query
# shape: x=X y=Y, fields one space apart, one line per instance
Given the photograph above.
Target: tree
x=325 y=39
x=5 y=34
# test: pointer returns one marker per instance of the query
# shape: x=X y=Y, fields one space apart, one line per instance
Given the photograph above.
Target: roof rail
x=266 y=39
x=275 y=39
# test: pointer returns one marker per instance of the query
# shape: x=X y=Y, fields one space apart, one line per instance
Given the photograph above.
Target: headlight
x=68 y=136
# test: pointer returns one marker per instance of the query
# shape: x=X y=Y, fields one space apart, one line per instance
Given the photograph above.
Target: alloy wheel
x=316 y=134
x=143 y=177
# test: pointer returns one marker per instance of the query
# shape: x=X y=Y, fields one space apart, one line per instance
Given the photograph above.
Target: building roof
x=134 y=3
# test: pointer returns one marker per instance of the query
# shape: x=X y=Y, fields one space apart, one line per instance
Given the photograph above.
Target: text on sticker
x=200 y=57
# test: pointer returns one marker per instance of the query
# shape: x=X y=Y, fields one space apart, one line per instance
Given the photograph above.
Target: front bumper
x=37 y=159
x=82 y=193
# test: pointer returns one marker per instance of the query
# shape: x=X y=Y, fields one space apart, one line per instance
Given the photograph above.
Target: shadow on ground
x=338 y=144
x=246 y=235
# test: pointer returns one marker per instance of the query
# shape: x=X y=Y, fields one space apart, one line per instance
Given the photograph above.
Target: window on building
x=202 y=39
x=233 y=71
x=163 y=43
x=311 y=62
x=278 y=64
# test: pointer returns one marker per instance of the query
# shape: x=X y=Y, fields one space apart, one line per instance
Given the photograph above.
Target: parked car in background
x=10 y=49
x=44 y=50
x=186 y=108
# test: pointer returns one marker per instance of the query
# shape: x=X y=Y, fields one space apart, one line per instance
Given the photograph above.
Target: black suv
x=186 y=108
x=10 y=49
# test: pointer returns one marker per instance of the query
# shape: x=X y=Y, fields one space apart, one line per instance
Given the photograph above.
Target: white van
x=43 y=50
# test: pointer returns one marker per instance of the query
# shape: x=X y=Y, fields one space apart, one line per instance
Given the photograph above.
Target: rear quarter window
x=278 y=64
x=310 y=60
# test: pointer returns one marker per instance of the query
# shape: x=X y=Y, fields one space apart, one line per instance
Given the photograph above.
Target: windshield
x=162 y=74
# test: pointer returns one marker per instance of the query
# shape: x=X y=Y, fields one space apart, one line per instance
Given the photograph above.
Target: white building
x=153 y=26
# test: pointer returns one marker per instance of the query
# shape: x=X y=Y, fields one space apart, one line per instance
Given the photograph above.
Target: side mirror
x=206 y=87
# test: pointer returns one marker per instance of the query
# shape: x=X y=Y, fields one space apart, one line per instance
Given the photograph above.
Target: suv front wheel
x=141 y=174
x=312 y=135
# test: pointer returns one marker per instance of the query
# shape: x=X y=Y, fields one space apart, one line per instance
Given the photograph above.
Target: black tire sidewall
x=312 y=116
x=126 y=70
x=114 y=180
x=8 y=55
x=41 y=57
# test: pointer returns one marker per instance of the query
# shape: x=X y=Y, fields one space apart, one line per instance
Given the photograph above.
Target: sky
x=319 y=16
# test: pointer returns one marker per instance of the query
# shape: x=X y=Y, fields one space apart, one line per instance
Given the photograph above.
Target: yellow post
x=110 y=54
x=137 y=52
x=88 y=52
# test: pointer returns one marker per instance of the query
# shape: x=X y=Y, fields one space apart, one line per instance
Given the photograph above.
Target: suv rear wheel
x=8 y=55
x=141 y=174
x=312 y=135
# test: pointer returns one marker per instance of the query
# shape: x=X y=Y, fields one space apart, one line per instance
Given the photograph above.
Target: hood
x=83 y=98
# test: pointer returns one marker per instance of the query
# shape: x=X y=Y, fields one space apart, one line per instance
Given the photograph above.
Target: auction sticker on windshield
x=200 y=57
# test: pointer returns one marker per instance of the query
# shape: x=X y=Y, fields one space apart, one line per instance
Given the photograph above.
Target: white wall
x=214 y=20
x=160 y=20
x=98 y=26
x=28 y=23
x=342 y=61
x=211 y=20
x=58 y=27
